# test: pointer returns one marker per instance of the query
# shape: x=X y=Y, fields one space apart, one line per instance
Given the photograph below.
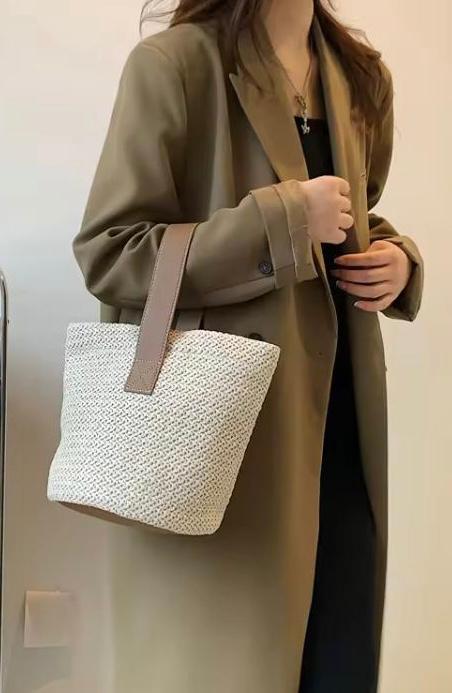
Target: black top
x=317 y=151
x=341 y=619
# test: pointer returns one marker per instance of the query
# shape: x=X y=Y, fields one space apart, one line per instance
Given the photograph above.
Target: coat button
x=265 y=267
x=256 y=335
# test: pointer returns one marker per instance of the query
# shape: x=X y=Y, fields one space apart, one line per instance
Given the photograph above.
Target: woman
x=272 y=126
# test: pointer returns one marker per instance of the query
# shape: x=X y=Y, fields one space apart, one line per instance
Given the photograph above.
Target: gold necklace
x=300 y=100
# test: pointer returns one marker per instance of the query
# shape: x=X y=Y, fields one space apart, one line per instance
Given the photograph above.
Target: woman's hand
x=378 y=276
x=327 y=202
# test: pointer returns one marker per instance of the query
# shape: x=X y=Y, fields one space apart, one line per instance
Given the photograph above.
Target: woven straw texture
x=169 y=459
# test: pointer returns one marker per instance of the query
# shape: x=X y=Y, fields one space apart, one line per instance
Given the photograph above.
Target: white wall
x=59 y=65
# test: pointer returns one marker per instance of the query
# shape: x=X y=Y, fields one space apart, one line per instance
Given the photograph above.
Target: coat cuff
x=284 y=217
x=407 y=304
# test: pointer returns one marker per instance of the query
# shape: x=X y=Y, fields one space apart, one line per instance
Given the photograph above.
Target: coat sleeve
x=236 y=254
x=407 y=304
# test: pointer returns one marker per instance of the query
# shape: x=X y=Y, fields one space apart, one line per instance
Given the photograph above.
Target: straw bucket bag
x=155 y=421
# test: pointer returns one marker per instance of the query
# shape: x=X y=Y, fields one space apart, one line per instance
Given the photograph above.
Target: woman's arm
x=407 y=304
x=237 y=254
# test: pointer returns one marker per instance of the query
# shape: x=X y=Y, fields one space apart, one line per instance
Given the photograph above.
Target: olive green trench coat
x=192 y=140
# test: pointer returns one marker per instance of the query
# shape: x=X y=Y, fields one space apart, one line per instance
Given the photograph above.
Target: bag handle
x=160 y=307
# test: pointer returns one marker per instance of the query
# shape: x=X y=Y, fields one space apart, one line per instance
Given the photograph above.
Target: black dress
x=339 y=652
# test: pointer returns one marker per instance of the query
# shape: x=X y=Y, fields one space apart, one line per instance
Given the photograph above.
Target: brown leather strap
x=160 y=306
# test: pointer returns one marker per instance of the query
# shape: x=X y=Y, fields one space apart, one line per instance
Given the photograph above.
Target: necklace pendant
x=305 y=127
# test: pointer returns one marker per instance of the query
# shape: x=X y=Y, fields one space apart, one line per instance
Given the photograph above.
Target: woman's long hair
x=360 y=61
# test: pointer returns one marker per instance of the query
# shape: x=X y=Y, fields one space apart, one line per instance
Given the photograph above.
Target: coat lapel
x=268 y=108
x=270 y=114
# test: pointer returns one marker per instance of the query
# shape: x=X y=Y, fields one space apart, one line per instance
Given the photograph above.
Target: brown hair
x=360 y=60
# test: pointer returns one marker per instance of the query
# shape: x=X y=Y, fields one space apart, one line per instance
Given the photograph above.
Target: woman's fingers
x=338 y=236
x=345 y=221
x=374 y=306
x=345 y=204
x=343 y=186
x=374 y=277
x=365 y=290
x=366 y=275
x=370 y=258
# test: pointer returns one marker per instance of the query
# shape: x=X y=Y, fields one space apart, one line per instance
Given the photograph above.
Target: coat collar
x=269 y=111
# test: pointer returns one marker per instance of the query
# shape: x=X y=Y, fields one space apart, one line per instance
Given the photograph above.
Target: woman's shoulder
x=188 y=47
